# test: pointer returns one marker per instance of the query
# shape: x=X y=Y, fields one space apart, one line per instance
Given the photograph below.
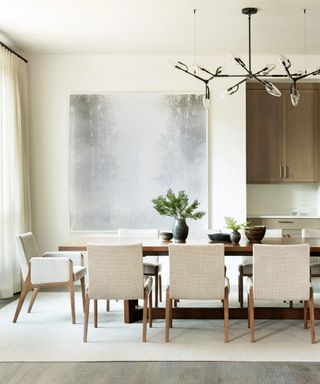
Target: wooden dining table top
x=159 y=247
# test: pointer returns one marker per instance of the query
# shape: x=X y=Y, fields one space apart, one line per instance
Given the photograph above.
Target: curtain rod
x=12 y=51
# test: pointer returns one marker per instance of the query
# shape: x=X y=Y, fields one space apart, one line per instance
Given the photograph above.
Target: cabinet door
x=264 y=137
x=301 y=141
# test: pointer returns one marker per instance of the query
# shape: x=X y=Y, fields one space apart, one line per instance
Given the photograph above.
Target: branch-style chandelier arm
x=314 y=73
x=186 y=70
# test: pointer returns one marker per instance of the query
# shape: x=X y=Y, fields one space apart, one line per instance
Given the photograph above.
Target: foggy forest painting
x=127 y=148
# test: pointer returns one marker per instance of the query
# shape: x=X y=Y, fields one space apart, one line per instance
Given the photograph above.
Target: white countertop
x=275 y=216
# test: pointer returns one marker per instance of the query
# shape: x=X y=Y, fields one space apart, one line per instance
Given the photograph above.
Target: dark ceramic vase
x=235 y=237
x=180 y=231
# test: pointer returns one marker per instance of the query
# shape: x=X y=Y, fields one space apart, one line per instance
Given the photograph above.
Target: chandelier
x=262 y=76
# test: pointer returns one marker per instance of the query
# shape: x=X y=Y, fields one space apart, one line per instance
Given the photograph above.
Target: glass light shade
x=171 y=64
x=316 y=72
x=268 y=68
x=206 y=102
x=196 y=68
x=284 y=61
x=294 y=95
x=230 y=91
x=298 y=72
x=272 y=89
x=219 y=70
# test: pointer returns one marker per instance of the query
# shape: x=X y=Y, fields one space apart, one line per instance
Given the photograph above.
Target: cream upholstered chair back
x=281 y=272
x=26 y=248
x=125 y=233
x=269 y=233
x=197 y=271
x=115 y=271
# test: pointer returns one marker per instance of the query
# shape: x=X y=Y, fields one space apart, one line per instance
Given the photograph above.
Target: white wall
x=53 y=78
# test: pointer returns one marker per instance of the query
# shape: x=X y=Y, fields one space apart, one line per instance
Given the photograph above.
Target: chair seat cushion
x=247 y=269
x=78 y=272
x=150 y=268
x=315 y=269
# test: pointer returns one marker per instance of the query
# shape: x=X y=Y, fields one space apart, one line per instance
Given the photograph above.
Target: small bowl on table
x=219 y=237
x=255 y=233
x=166 y=236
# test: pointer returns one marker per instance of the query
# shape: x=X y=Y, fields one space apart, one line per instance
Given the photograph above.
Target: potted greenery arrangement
x=178 y=206
x=232 y=224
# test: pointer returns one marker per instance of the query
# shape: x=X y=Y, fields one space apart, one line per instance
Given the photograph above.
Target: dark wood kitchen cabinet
x=282 y=140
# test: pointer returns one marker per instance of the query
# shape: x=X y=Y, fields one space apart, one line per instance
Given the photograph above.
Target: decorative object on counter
x=255 y=233
x=232 y=224
x=304 y=210
x=294 y=211
x=166 y=236
x=178 y=206
x=219 y=237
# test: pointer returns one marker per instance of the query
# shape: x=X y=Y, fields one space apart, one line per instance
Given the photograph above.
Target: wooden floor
x=164 y=372
x=158 y=372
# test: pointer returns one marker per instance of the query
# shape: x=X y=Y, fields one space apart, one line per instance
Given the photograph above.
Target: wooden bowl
x=255 y=233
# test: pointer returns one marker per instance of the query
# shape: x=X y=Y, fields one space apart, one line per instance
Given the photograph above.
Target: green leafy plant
x=177 y=206
x=231 y=223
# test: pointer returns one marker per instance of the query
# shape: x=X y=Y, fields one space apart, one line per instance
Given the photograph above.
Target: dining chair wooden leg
x=240 y=286
x=145 y=315
x=170 y=313
x=73 y=311
x=160 y=288
x=167 y=315
x=33 y=297
x=150 y=309
x=251 y=304
x=95 y=313
x=86 y=317
x=226 y=314
x=25 y=289
x=83 y=292
x=248 y=311
x=156 y=288
x=311 y=308
x=108 y=305
x=305 y=314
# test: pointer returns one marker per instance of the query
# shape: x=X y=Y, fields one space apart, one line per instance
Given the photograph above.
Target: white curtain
x=15 y=216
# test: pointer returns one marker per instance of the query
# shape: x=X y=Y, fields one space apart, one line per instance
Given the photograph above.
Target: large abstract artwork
x=127 y=148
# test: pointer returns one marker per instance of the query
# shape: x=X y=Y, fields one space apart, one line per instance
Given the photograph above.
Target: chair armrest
x=46 y=270
x=76 y=257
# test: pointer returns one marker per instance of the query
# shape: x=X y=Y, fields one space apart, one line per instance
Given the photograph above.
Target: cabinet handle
x=280 y=171
x=286 y=171
x=285 y=221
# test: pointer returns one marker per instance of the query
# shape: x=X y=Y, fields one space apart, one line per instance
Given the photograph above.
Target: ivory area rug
x=47 y=334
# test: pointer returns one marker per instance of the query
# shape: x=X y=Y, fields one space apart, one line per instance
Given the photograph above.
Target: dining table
x=157 y=247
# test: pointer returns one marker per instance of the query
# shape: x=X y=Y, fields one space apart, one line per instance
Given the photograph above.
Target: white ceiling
x=159 y=26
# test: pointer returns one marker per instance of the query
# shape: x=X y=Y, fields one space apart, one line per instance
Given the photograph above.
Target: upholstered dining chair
x=48 y=270
x=151 y=265
x=116 y=273
x=245 y=268
x=281 y=272
x=197 y=273
x=315 y=260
